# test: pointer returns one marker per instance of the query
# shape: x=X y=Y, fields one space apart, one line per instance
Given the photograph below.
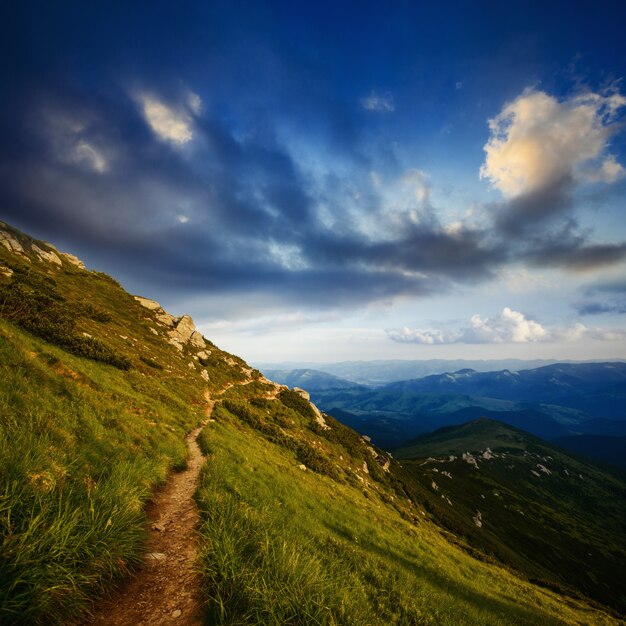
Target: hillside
x=302 y=521
x=553 y=516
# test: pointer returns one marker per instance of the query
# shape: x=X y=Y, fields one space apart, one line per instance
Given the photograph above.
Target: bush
x=31 y=301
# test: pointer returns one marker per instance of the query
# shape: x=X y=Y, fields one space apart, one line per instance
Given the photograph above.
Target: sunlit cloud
x=169 y=123
x=538 y=141
x=505 y=328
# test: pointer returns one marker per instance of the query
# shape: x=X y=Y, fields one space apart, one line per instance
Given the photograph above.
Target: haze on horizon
x=336 y=181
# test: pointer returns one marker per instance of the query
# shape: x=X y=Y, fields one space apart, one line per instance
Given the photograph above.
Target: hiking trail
x=167 y=587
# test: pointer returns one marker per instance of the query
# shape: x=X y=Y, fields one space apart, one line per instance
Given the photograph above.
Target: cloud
x=86 y=154
x=538 y=141
x=508 y=327
x=603 y=298
x=170 y=124
x=377 y=102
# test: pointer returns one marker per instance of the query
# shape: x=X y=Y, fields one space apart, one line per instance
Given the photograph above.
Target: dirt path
x=167 y=589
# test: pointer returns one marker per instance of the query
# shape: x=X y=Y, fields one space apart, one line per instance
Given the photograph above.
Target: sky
x=333 y=181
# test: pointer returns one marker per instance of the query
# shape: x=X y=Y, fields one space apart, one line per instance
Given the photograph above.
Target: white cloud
x=195 y=102
x=537 y=141
x=86 y=154
x=183 y=219
x=168 y=123
x=376 y=102
x=508 y=327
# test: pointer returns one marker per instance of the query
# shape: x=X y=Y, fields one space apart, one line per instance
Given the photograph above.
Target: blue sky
x=333 y=181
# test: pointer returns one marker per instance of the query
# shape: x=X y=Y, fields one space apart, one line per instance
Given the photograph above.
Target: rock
x=435 y=486
x=204 y=355
x=487 y=454
x=184 y=332
x=165 y=318
x=197 y=340
x=46 y=255
x=159 y=527
x=6 y=271
x=205 y=375
x=11 y=243
x=366 y=438
x=74 y=260
x=156 y=556
x=177 y=613
x=478 y=519
x=302 y=467
x=470 y=458
x=153 y=305
x=365 y=468
x=302 y=393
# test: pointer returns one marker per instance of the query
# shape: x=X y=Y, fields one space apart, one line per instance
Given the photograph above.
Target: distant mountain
x=311 y=380
x=386 y=371
x=554 y=517
x=599 y=389
x=602 y=448
x=551 y=401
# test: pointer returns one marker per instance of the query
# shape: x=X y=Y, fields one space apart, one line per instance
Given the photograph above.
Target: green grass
x=286 y=546
x=81 y=448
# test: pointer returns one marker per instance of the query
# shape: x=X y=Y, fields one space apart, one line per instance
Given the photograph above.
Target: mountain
x=551 y=401
x=311 y=380
x=555 y=517
x=599 y=389
x=381 y=372
x=300 y=519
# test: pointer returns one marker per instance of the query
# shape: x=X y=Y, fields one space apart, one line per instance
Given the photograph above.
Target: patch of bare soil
x=167 y=588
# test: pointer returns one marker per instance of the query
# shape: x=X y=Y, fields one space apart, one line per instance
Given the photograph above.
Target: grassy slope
x=565 y=527
x=285 y=545
x=83 y=443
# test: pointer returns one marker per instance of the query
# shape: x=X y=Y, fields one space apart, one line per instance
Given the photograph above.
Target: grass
x=80 y=451
x=286 y=546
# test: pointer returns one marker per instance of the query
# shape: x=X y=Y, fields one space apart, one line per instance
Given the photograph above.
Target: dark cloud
x=607 y=297
x=597 y=308
x=530 y=211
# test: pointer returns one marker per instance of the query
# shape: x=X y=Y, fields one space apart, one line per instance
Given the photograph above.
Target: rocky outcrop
x=184 y=332
x=23 y=245
x=181 y=330
x=46 y=255
x=12 y=244
x=152 y=305
x=319 y=418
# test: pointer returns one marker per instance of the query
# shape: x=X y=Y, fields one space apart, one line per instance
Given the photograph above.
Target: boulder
x=46 y=255
x=153 y=305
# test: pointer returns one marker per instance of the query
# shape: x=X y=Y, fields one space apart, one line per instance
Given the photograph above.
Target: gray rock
x=153 y=305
